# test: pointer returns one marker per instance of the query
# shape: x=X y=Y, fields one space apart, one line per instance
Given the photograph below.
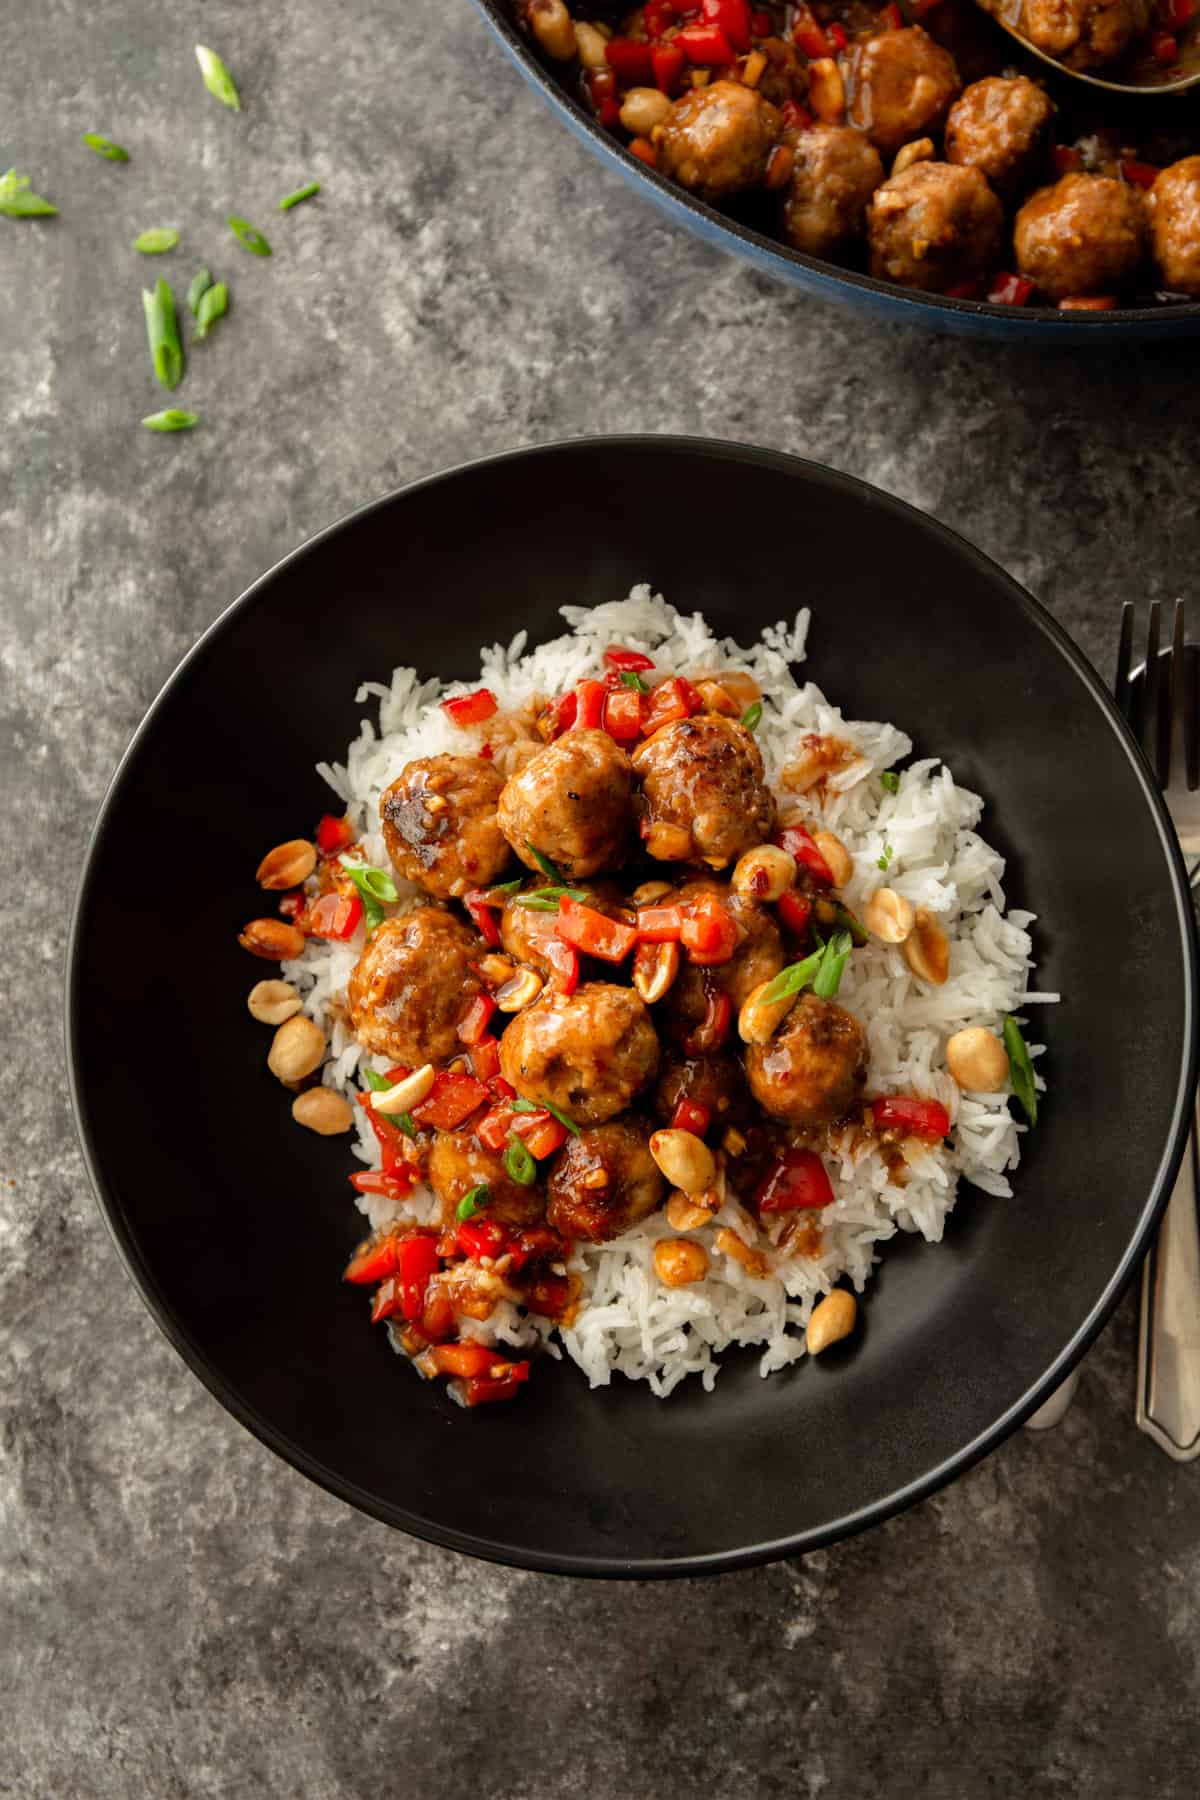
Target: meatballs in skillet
x=439 y=824
x=704 y=794
x=1001 y=127
x=458 y=1162
x=1174 y=211
x=836 y=170
x=589 y=1053
x=717 y=139
x=604 y=1181
x=1085 y=235
x=935 y=225
x=573 y=802
x=814 y=1069
x=408 y=989
x=1083 y=34
x=902 y=84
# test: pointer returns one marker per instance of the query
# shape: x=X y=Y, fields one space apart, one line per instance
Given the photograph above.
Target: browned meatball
x=1174 y=208
x=589 y=1053
x=836 y=171
x=758 y=956
x=902 y=83
x=716 y=140
x=1000 y=127
x=1085 y=235
x=528 y=934
x=458 y=1162
x=604 y=1181
x=1083 y=34
x=703 y=790
x=716 y=1082
x=814 y=1068
x=573 y=801
x=409 y=986
x=439 y=824
x=935 y=225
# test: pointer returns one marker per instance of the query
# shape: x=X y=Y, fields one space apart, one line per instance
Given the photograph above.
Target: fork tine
x=1151 y=684
x=1191 y=715
x=1121 y=690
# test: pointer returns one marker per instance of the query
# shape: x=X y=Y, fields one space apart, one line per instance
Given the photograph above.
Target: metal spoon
x=1166 y=81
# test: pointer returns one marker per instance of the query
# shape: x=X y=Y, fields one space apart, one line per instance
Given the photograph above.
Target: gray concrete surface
x=181 y=1614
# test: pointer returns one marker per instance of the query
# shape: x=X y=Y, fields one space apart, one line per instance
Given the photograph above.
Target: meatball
x=458 y=1162
x=902 y=83
x=703 y=789
x=1083 y=34
x=588 y=1053
x=814 y=1068
x=573 y=801
x=408 y=988
x=835 y=173
x=1000 y=127
x=439 y=824
x=1085 y=235
x=935 y=225
x=717 y=139
x=759 y=955
x=531 y=937
x=604 y=1181
x=1174 y=209
x=716 y=1082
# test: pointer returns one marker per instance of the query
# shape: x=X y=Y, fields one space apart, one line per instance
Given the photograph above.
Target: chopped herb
x=530 y=1106
x=201 y=282
x=375 y=889
x=520 y=1163
x=544 y=863
x=16 y=201
x=752 y=715
x=217 y=78
x=1020 y=1069
x=471 y=1202
x=525 y=1106
x=157 y=241
x=304 y=193
x=105 y=147
x=886 y=858
x=790 y=980
x=631 y=679
x=214 y=304
x=505 y=888
x=546 y=899
x=249 y=236
x=403 y=1122
x=162 y=331
x=171 y=420
x=378 y=1084
x=890 y=780
x=538 y=905
x=828 y=977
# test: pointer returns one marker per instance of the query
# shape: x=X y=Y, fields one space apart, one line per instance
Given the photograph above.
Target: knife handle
x=1168 y=1378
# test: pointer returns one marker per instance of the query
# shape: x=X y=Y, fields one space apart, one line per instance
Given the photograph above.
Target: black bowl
x=235 y=1225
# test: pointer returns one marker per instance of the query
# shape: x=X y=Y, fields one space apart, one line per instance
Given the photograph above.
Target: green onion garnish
x=534 y=905
x=376 y=1083
x=792 y=979
x=544 y=864
x=1020 y=1069
x=886 y=858
x=249 y=236
x=631 y=679
x=471 y=1202
x=171 y=420
x=217 y=78
x=828 y=977
x=162 y=331
x=504 y=889
x=304 y=193
x=16 y=201
x=546 y=899
x=105 y=147
x=530 y=1106
x=375 y=889
x=156 y=241
x=214 y=304
x=752 y=715
x=520 y=1163
x=200 y=284
x=858 y=932
x=890 y=780
x=402 y=1121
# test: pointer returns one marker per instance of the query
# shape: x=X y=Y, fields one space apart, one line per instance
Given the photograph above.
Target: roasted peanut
x=741 y=687
x=496 y=970
x=590 y=46
x=680 y=1261
x=760 y=1018
x=927 y=949
x=920 y=150
x=407 y=1093
x=888 y=916
x=296 y=1049
x=718 y=700
x=655 y=967
x=271 y=1002
x=668 y=843
x=765 y=873
x=730 y=1244
x=752 y=73
x=272 y=939
x=642 y=109
x=650 y=893
x=826 y=90
x=831 y=1320
x=841 y=863
x=977 y=1060
x=323 y=1111
x=685 y=1160
x=553 y=27
x=521 y=991
x=687 y=1212
x=287 y=865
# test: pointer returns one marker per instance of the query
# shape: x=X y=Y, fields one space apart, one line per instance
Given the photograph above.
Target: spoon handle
x=1168 y=1377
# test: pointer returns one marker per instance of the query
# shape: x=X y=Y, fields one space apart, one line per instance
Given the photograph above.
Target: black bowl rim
x=919 y=300
x=877 y=1511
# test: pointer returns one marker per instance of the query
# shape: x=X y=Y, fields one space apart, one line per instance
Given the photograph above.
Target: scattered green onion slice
x=890 y=780
x=544 y=864
x=16 y=201
x=546 y=899
x=1020 y=1069
x=402 y=1121
x=157 y=241
x=304 y=193
x=378 y=1084
x=828 y=977
x=95 y=140
x=752 y=715
x=631 y=679
x=505 y=888
x=214 y=304
x=162 y=331
x=171 y=420
x=249 y=236
x=528 y=1106
x=519 y=1163
x=886 y=858
x=200 y=284
x=859 y=934
x=217 y=78
x=471 y=1202
x=542 y=906
x=375 y=888
x=792 y=979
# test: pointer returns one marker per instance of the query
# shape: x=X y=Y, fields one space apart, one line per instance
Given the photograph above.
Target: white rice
x=628 y=1321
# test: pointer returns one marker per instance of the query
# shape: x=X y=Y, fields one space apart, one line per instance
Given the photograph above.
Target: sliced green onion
x=16 y=201
x=471 y=1202
x=105 y=147
x=162 y=332
x=375 y=887
x=546 y=899
x=542 y=906
x=520 y=1163
x=544 y=863
x=890 y=780
x=792 y=979
x=828 y=977
x=631 y=679
x=845 y=918
x=752 y=715
x=505 y=888
x=1020 y=1069
x=378 y=1084
x=528 y=1106
x=524 y=1106
x=304 y=193
x=886 y=858
x=200 y=284
x=217 y=78
x=249 y=236
x=214 y=304
x=157 y=241
x=171 y=420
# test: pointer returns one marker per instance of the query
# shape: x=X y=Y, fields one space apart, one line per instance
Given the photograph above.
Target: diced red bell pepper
x=657 y=16
x=624 y=661
x=372 y=1261
x=563 y=713
x=761 y=23
x=1010 y=290
x=691 y=1116
x=481 y=1390
x=1066 y=159
x=540 y=1132
x=392 y=1184
x=334 y=834
x=797 y=840
x=589 y=708
x=706 y=44
x=335 y=916
x=481 y=1237
x=503 y=1090
x=470 y=709
x=292 y=904
x=623 y=714
x=453 y=1097
x=808 y=36
x=404 y=1292
x=483 y=916
x=464 y=1360
x=672 y=699
x=837 y=37
x=1141 y=174
x=629 y=61
x=437 y=1321
x=709 y=931
x=795 y=116
x=645 y=152
x=659 y=924
x=485 y=1058
x=667 y=61
x=917 y=1118
x=1164 y=47
x=389 y=1138
x=713 y=1029
x=493 y=1129
x=795 y=911
x=564 y=962
x=732 y=17
x=796 y=1181
x=476 y=1019
x=593 y=932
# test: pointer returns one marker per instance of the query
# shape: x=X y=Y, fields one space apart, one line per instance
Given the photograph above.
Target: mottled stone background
x=181 y=1614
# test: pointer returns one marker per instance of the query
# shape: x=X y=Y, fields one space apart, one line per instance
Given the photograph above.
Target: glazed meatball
x=717 y=139
x=1174 y=209
x=759 y=955
x=1085 y=235
x=814 y=1068
x=439 y=824
x=1083 y=34
x=835 y=173
x=589 y=1053
x=902 y=83
x=530 y=936
x=935 y=225
x=573 y=801
x=703 y=790
x=716 y=1082
x=458 y=1162
x=604 y=1181
x=1000 y=127
x=408 y=988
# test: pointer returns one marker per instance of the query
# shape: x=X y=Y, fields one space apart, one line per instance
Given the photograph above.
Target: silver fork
x=1161 y=702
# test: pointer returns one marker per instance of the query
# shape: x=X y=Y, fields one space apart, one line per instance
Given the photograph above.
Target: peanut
x=322 y=1111
x=655 y=967
x=831 y=1320
x=764 y=874
x=888 y=916
x=841 y=863
x=927 y=949
x=296 y=1049
x=977 y=1060
x=679 y=1261
x=272 y=939
x=271 y=1002
x=685 y=1160
x=287 y=865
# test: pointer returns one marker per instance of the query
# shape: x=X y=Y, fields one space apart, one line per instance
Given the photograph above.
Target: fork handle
x=1168 y=1391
